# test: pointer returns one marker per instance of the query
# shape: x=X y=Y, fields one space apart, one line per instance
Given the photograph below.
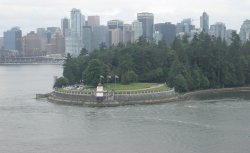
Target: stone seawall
x=132 y=98
x=111 y=98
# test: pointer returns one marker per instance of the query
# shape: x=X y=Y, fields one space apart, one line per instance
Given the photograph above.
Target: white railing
x=91 y=92
x=72 y=92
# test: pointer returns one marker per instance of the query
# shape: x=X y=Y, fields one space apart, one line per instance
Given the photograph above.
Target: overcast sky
x=31 y=14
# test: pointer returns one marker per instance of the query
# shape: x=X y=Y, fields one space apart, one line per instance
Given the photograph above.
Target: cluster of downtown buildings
x=86 y=32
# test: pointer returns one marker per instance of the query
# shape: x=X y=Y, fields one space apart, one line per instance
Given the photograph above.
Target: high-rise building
x=128 y=34
x=245 y=31
x=168 y=32
x=94 y=21
x=1 y=43
x=100 y=35
x=43 y=43
x=115 y=28
x=41 y=32
x=115 y=24
x=13 y=39
x=157 y=36
x=218 y=30
x=52 y=30
x=137 y=28
x=204 y=22
x=115 y=37
x=65 y=26
x=31 y=45
x=74 y=43
x=77 y=21
x=44 y=37
x=87 y=38
x=147 y=20
x=57 y=45
x=185 y=27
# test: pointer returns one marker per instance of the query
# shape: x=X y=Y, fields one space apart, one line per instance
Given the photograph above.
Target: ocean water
x=210 y=124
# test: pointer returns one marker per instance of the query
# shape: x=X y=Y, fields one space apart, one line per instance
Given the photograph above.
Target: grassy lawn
x=133 y=87
x=136 y=87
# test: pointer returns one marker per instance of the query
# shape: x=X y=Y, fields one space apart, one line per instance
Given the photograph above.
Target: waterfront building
x=73 y=41
x=65 y=26
x=31 y=45
x=204 y=22
x=218 y=30
x=48 y=36
x=51 y=31
x=94 y=21
x=43 y=43
x=245 y=31
x=147 y=20
x=57 y=45
x=99 y=36
x=168 y=32
x=87 y=38
x=13 y=39
x=137 y=29
x=43 y=36
x=1 y=43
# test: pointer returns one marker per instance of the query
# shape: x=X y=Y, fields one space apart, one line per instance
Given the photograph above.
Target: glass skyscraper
x=74 y=43
x=147 y=20
x=245 y=31
x=204 y=22
x=13 y=39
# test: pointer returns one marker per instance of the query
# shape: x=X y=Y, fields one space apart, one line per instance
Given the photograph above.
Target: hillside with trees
x=205 y=62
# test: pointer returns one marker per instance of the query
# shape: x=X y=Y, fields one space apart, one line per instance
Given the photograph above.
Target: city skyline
x=30 y=15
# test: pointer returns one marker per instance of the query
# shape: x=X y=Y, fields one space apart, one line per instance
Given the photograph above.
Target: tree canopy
x=205 y=62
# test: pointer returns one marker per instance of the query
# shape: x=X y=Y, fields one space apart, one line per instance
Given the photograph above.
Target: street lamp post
x=108 y=77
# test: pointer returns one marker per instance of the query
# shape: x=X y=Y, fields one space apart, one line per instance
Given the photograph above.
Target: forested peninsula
x=204 y=63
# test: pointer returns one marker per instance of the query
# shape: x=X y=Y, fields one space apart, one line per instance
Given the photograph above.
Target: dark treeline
x=205 y=62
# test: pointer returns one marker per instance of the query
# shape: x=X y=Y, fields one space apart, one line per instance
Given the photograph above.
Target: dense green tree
x=94 y=71
x=204 y=62
x=60 y=82
x=103 y=46
x=84 y=52
x=129 y=77
x=180 y=83
x=71 y=70
x=246 y=61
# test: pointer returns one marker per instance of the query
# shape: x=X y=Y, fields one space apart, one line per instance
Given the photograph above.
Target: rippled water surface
x=211 y=124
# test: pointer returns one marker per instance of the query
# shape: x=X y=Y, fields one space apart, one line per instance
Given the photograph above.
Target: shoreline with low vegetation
x=194 y=94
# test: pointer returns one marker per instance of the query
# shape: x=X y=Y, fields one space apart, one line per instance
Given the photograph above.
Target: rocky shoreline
x=191 y=95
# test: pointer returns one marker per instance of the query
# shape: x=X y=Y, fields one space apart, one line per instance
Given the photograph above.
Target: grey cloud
x=30 y=14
